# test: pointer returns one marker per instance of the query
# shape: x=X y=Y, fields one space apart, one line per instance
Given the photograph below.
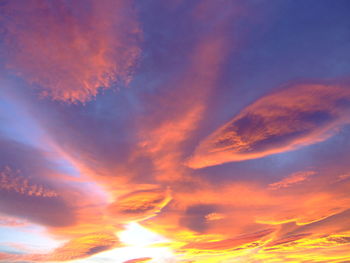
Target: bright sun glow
x=137 y=235
x=140 y=243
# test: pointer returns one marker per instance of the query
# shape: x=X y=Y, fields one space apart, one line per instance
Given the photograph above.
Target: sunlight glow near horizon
x=139 y=243
x=139 y=236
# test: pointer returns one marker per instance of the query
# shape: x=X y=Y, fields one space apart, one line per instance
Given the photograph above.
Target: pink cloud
x=292 y=179
x=71 y=49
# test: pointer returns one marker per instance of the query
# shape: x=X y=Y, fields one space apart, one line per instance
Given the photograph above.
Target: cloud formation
x=71 y=49
x=292 y=179
x=230 y=243
x=12 y=181
x=110 y=180
x=139 y=205
x=296 y=116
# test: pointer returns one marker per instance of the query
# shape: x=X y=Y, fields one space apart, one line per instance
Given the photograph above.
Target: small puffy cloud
x=297 y=116
x=70 y=49
x=11 y=180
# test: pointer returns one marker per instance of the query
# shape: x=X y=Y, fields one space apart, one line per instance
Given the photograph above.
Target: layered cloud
x=81 y=247
x=232 y=243
x=139 y=205
x=296 y=116
x=70 y=49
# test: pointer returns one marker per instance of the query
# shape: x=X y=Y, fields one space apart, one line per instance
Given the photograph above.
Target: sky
x=173 y=131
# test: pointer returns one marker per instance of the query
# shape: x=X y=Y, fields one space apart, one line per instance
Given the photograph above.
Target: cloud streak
x=292 y=179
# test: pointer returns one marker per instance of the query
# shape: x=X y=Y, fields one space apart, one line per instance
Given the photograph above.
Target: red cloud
x=71 y=49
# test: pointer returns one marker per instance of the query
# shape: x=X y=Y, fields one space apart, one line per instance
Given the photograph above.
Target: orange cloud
x=81 y=247
x=139 y=205
x=204 y=218
x=286 y=120
x=287 y=240
x=78 y=248
x=292 y=179
x=230 y=243
x=183 y=109
x=71 y=49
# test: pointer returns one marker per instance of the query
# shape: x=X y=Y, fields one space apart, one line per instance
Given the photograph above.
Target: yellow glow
x=137 y=235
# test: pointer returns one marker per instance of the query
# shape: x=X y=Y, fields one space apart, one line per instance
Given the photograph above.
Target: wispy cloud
x=292 y=179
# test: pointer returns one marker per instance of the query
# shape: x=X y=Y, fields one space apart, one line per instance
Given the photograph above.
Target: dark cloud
x=195 y=217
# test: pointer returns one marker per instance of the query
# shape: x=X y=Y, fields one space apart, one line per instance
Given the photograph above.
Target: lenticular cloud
x=286 y=120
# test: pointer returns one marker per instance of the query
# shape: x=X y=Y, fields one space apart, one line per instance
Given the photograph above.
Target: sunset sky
x=165 y=131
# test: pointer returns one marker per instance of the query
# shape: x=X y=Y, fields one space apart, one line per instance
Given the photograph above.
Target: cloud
x=230 y=243
x=292 y=179
x=10 y=221
x=81 y=247
x=287 y=240
x=180 y=117
x=343 y=177
x=296 y=116
x=11 y=181
x=119 y=160
x=139 y=205
x=71 y=49
x=28 y=189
